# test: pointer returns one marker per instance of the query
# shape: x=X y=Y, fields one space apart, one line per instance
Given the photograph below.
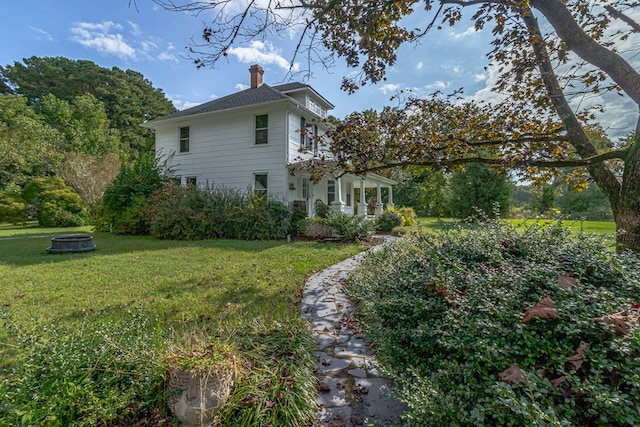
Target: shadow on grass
x=32 y=249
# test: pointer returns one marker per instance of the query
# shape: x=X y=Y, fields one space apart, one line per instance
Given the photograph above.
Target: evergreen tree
x=478 y=186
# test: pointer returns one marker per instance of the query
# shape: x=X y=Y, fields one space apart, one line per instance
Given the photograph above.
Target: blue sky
x=154 y=42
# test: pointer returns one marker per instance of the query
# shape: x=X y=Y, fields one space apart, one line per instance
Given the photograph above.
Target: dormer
x=306 y=96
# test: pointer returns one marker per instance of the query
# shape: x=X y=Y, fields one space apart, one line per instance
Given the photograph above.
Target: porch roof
x=369 y=177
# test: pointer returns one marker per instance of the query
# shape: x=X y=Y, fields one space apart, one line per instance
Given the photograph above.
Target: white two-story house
x=258 y=138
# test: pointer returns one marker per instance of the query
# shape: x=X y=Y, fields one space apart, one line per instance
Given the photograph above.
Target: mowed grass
x=605 y=229
x=210 y=281
x=137 y=303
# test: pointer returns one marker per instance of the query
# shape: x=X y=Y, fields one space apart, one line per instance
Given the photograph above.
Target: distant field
x=605 y=228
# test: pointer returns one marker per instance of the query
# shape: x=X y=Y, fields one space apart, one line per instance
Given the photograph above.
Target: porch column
x=311 y=208
x=378 y=200
x=362 y=206
x=338 y=204
x=390 y=202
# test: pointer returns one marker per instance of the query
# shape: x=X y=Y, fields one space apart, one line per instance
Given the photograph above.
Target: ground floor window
x=191 y=180
x=331 y=191
x=260 y=184
x=348 y=195
x=305 y=188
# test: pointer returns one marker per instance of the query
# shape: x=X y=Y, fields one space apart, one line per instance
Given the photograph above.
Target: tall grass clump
x=493 y=326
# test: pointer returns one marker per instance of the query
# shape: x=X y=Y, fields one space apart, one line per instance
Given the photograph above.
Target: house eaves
x=301 y=87
x=262 y=95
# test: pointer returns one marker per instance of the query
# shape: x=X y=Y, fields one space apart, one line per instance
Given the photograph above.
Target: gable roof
x=251 y=96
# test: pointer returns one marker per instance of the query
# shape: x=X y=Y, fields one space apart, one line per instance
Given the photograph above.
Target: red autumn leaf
x=545 y=309
x=576 y=360
x=567 y=282
x=556 y=382
x=512 y=374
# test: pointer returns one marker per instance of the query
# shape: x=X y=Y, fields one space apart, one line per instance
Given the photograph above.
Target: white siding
x=222 y=150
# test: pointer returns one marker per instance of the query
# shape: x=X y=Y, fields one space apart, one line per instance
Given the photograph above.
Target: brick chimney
x=256 y=75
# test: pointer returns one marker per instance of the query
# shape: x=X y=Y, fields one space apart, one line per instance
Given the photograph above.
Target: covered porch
x=347 y=193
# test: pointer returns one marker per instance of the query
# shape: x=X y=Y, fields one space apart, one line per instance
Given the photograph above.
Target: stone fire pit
x=68 y=244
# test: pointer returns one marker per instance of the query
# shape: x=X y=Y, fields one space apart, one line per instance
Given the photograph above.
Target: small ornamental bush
x=490 y=326
x=351 y=227
x=388 y=220
x=13 y=208
x=408 y=216
x=55 y=203
x=323 y=210
x=316 y=228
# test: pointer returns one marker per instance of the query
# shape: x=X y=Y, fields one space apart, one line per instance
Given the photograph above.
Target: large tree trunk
x=624 y=197
x=627 y=212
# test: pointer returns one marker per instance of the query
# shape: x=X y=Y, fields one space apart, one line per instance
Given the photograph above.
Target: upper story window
x=262 y=129
x=316 y=108
x=184 y=139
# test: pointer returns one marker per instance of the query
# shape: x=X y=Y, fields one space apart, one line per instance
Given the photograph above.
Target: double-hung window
x=184 y=139
x=260 y=184
x=331 y=191
x=262 y=129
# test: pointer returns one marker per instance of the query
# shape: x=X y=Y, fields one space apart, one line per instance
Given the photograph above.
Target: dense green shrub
x=388 y=220
x=316 y=228
x=13 y=208
x=448 y=316
x=350 y=227
x=89 y=376
x=124 y=202
x=55 y=203
x=192 y=213
x=323 y=210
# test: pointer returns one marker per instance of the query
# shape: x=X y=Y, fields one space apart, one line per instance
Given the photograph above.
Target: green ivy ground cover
x=489 y=325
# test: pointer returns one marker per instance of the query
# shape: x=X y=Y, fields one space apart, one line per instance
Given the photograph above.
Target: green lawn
x=605 y=229
x=182 y=281
x=194 y=288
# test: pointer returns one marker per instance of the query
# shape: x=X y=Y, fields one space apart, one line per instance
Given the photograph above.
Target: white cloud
x=480 y=77
x=42 y=33
x=135 y=28
x=263 y=53
x=419 y=65
x=166 y=56
x=148 y=46
x=437 y=85
x=98 y=36
x=470 y=31
x=241 y=86
x=389 y=88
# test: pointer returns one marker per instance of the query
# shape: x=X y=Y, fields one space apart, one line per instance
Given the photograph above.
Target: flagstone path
x=351 y=388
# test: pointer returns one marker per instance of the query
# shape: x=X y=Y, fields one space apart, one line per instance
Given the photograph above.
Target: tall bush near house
x=493 y=327
x=55 y=203
x=191 y=213
x=125 y=200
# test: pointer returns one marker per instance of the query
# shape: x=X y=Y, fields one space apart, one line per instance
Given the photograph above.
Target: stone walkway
x=352 y=390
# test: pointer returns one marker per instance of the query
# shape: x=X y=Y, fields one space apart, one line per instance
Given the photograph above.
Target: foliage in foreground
x=98 y=372
x=111 y=373
x=464 y=323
